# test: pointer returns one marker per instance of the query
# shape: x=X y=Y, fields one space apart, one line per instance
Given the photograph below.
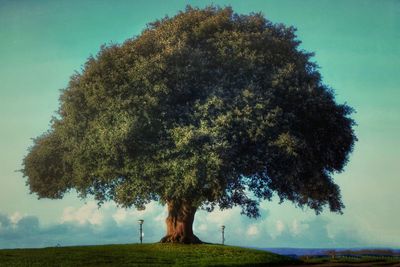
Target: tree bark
x=179 y=223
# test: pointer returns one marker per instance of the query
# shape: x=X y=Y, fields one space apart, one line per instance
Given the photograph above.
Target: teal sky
x=357 y=46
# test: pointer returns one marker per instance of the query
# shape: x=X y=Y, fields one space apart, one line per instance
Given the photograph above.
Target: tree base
x=180 y=239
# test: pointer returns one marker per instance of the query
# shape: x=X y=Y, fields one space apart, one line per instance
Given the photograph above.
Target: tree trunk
x=179 y=223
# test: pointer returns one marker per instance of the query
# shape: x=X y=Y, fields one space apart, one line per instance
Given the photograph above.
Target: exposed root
x=181 y=239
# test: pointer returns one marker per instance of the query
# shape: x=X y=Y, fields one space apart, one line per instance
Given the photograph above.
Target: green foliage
x=208 y=106
x=141 y=255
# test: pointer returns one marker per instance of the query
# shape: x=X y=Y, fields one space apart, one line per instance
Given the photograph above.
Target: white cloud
x=161 y=217
x=110 y=224
x=253 y=230
x=298 y=227
x=120 y=216
x=279 y=226
x=218 y=217
x=88 y=213
x=15 y=217
x=202 y=227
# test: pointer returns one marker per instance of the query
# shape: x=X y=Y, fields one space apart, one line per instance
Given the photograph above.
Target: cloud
x=313 y=233
x=15 y=217
x=272 y=231
x=253 y=230
x=88 y=213
x=297 y=227
x=84 y=225
x=280 y=226
x=89 y=224
x=120 y=216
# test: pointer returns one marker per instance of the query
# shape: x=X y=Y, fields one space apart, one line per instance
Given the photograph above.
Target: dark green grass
x=141 y=255
x=382 y=260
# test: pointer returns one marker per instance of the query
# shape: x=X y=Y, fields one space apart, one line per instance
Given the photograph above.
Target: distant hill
x=326 y=251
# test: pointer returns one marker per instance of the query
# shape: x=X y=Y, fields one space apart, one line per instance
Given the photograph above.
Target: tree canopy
x=209 y=107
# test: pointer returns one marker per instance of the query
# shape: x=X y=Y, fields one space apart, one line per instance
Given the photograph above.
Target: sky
x=356 y=45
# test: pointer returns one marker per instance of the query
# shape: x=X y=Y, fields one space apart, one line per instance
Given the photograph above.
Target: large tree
x=205 y=109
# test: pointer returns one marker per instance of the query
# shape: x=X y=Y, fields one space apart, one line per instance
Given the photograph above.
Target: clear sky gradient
x=357 y=46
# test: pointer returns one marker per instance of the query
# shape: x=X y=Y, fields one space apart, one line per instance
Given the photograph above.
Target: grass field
x=175 y=255
x=141 y=255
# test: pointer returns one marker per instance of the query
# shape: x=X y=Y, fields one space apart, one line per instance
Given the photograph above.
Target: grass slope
x=141 y=255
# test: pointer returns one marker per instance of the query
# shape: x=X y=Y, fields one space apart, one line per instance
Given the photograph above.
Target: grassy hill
x=141 y=255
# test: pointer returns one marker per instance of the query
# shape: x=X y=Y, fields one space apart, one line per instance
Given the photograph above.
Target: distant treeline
x=335 y=251
x=364 y=252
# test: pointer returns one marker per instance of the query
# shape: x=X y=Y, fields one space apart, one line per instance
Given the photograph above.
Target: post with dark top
x=223 y=234
x=141 y=230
